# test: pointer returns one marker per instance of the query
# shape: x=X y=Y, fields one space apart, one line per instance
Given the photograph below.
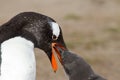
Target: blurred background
x=91 y=28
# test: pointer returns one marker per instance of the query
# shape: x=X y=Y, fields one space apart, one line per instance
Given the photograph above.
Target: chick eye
x=54 y=37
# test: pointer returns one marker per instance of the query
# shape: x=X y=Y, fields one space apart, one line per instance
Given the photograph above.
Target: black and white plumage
x=76 y=67
x=18 y=38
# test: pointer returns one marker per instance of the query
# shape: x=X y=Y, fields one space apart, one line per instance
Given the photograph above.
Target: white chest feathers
x=18 y=60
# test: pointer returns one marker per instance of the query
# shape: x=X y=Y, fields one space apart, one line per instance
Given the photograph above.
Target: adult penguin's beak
x=55 y=50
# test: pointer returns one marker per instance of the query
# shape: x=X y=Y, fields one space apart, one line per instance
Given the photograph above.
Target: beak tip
x=54 y=71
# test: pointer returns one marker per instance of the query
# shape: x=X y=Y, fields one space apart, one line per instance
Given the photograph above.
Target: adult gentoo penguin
x=75 y=66
x=18 y=38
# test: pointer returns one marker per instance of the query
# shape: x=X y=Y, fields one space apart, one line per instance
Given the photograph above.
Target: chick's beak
x=53 y=60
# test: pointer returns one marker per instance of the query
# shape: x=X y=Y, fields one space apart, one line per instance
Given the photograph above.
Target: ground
x=91 y=29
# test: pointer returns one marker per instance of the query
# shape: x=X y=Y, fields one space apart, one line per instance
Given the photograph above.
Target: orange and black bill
x=53 y=60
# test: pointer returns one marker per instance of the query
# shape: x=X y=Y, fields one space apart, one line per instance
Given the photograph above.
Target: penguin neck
x=18 y=59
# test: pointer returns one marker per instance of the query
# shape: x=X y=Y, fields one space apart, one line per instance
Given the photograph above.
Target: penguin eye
x=54 y=37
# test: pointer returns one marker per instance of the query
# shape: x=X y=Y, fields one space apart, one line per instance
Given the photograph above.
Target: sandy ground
x=91 y=28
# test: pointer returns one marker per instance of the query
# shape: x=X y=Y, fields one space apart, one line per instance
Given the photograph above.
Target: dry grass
x=72 y=16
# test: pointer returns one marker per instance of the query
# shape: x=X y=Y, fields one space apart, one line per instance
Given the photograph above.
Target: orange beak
x=53 y=61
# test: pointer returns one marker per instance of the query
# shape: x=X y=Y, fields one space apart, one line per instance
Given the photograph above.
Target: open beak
x=53 y=60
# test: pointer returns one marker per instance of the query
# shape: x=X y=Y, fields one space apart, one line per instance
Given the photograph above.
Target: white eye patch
x=55 y=29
